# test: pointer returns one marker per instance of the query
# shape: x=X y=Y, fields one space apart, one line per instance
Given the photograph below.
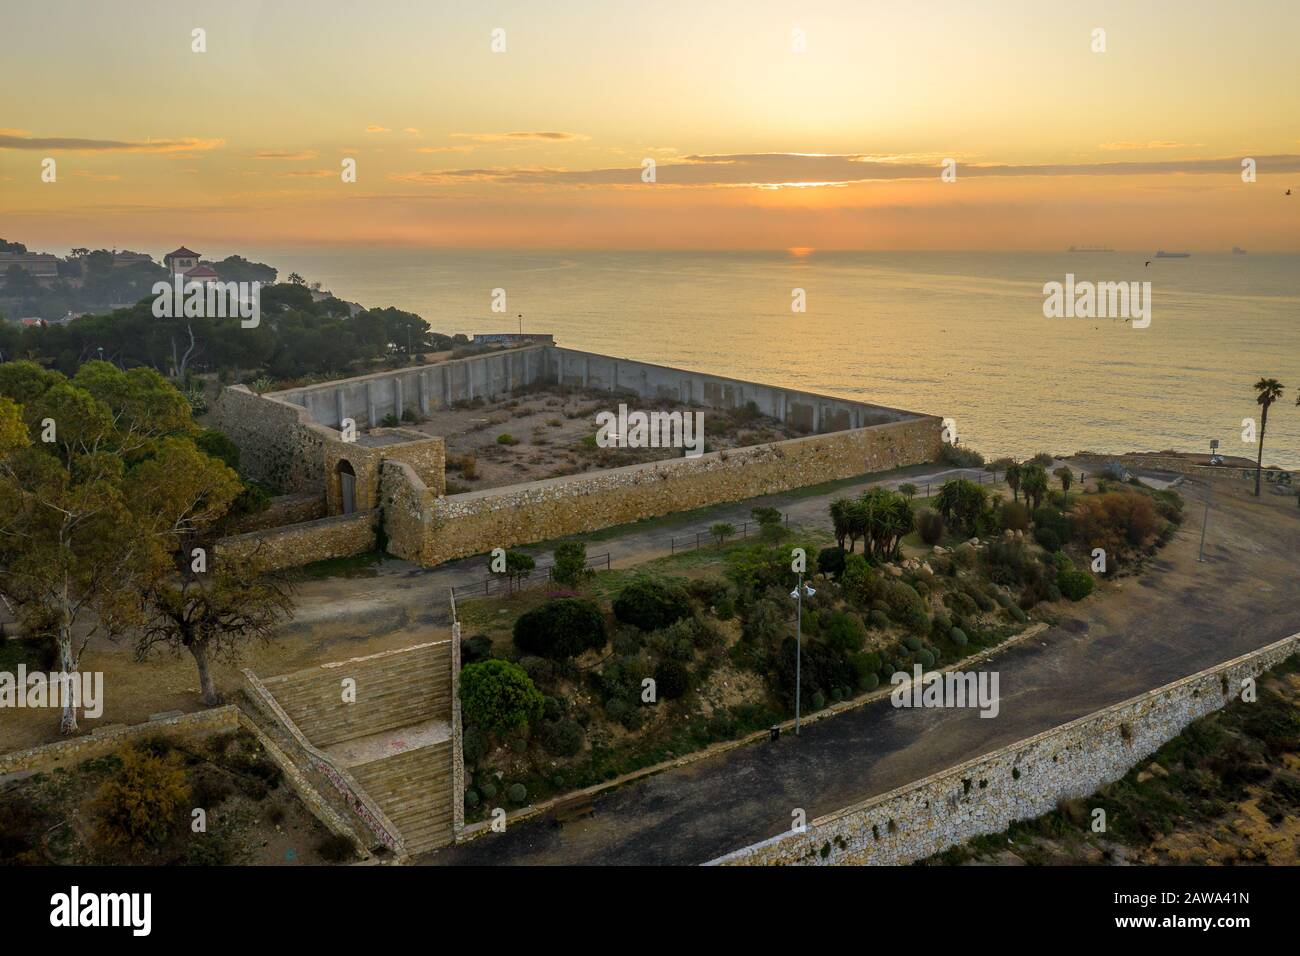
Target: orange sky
x=757 y=144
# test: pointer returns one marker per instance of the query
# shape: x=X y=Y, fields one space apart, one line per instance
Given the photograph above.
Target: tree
x=907 y=490
x=570 y=563
x=1012 y=477
x=961 y=502
x=499 y=696
x=1267 y=391
x=214 y=614
x=295 y=279
x=722 y=530
x=1066 y=477
x=518 y=567
x=1033 y=482
x=97 y=500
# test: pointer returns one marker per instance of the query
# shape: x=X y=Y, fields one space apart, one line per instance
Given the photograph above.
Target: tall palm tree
x=1267 y=391
x=1012 y=478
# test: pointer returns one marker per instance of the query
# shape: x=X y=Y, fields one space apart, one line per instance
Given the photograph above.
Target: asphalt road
x=1179 y=617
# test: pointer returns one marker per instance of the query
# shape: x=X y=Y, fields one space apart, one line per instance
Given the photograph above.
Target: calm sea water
x=953 y=334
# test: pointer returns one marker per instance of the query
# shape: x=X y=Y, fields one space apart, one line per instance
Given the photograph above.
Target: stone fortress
x=351 y=483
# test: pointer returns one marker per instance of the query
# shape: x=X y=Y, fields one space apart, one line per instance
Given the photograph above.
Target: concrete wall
x=477 y=521
x=298 y=544
x=368 y=399
x=1019 y=782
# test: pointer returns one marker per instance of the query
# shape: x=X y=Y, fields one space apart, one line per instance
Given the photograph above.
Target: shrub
x=1048 y=539
x=906 y=607
x=845 y=632
x=907 y=489
x=925 y=657
x=561 y=628
x=1043 y=458
x=1120 y=522
x=958 y=637
x=818 y=700
x=488 y=789
x=878 y=619
x=475 y=745
x=475 y=649
x=337 y=848
x=672 y=679
x=505 y=438
x=961 y=503
x=651 y=604
x=929 y=524
x=570 y=563
x=139 y=806
x=960 y=602
x=957 y=457
x=499 y=696
x=831 y=561
x=1015 y=611
x=1013 y=516
x=1076 y=585
x=562 y=738
x=868 y=682
x=517 y=793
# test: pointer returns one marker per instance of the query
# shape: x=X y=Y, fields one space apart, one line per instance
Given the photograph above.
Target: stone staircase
x=414 y=789
x=392 y=690
x=393 y=740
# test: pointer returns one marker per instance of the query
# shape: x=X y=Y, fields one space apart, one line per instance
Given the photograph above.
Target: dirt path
x=1181 y=616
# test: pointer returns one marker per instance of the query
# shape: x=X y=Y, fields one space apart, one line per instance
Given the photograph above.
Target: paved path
x=1181 y=616
x=398 y=595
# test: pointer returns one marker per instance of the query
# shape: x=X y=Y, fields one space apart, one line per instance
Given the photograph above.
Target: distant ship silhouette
x=1173 y=255
x=1088 y=249
x=1238 y=251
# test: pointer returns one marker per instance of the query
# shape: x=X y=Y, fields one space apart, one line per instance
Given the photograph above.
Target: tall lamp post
x=1209 y=488
x=798 y=593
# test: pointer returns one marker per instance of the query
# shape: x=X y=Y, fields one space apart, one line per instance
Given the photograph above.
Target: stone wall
x=283 y=510
x=298 y=544
x=471 y=523
x=278 y=442
x=1018 y=782
x=1179 y=466
x=68 y=753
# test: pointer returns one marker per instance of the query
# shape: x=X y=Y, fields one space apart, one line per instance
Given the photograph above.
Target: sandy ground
x=548 y=428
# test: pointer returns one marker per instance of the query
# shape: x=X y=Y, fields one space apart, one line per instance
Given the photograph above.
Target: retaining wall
x=298 y=544
x=1018 y=782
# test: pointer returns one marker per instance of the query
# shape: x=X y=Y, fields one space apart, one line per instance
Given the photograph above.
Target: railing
x=348 y=788
x=503 y=584
x=691 y=542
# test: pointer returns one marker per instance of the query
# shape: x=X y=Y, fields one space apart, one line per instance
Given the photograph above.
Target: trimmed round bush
x=562 y=738
x=1076 y=585
x=925 y=657
x=912 y=642
x=878 y=619
x=499 y=696
x=1017 y=613
x=831 y=561
x=471 y=799
x=958 y=637
x=1002 y=599
x=488 y=789
x=517 y=793
x=1048 y=538
x=845 y=632
x=672 y=679
x=929 y=525
x=818 y=700
x=561 y=628
x=868 y=683
x=652 y=604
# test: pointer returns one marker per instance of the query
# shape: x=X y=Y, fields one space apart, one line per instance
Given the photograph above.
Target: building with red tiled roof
x=181 y=261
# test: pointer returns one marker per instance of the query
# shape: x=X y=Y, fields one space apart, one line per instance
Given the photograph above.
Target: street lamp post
x=1209 y=488
x=798 y=594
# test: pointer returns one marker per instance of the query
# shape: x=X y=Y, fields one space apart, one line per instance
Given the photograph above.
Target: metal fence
x=692 y=541
x=501 y=584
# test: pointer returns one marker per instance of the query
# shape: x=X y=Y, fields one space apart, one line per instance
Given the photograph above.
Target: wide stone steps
x=391 y=692
x=414 y=789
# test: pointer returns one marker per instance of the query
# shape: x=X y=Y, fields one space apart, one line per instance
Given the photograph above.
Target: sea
x=961 y=335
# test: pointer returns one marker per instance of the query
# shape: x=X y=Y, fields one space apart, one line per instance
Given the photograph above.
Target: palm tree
x=1012 y=478
x=1066 y=476
x=1267 y=391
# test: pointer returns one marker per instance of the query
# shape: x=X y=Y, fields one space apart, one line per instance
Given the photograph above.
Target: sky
x=771 y=125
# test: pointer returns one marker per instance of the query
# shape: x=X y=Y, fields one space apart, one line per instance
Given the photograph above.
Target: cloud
x=412 y=130
x=308 y=173
x=774 y=170
x=372 y=128
x=548 y=137
x=444 y=149
x=285 y=154
x=97 y=177
x=74 y=144
x=1154 y=144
